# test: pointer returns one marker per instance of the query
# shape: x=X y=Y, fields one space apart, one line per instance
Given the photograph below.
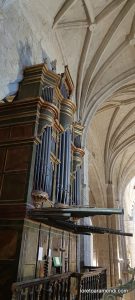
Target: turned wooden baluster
x=23 y=294
x=57 y=290
x=60 y=289
x=38 y=290
x=65 y=290
x=31 y=293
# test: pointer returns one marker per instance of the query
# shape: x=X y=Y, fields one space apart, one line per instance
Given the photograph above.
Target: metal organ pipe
x=63 y=173
x=43 y=167
x=42 y=178
x=69 y=165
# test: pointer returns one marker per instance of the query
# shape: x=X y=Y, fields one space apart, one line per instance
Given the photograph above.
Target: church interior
x=67 y=149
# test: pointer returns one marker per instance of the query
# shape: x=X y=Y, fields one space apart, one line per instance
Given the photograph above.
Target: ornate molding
x=67 y=112
x=68 y=80
x=57 y=94
x=78 y=128
x=58 y=127
x=35 y=77
x=78 y=154
x=48 y=115
x=41 y=199
x=54 y=159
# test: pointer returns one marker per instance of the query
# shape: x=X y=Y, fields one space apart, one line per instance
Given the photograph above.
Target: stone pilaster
x=112 y=239
x=85 y=240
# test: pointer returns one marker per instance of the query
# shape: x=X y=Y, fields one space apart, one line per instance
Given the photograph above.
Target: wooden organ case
x=40 y=166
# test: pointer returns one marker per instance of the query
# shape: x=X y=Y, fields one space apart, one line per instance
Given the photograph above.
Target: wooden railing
x=67 y=286
x=92 y=284
x=53 y=287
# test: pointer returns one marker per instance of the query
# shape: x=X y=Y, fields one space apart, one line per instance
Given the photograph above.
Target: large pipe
x=84 y=229
x=78 y=212
x=101 y=230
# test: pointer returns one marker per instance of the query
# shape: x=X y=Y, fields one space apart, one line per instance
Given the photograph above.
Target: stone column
x=112 y=239
x=85 y=240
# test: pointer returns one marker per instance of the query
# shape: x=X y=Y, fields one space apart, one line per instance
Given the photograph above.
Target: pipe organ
x=39 y=163
x=43 y=172
x=57 y=170
x=40 y=167
x=40 y=179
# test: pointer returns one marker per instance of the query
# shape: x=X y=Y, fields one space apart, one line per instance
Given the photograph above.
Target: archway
x=111 y=146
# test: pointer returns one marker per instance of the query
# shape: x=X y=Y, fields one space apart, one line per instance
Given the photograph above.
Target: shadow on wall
x=25 y=59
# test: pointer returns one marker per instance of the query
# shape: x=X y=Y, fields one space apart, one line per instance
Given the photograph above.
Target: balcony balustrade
x=67 y=286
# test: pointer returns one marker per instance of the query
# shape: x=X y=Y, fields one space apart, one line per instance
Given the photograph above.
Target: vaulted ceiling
x=95 y=38
x=112 y=143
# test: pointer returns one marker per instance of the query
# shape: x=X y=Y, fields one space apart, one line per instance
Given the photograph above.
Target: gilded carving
x=48 y=115
x=67 y=113
x=41 y=199
x=78 y=154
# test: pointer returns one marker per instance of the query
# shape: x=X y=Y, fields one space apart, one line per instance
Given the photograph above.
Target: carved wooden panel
x=2 y=158
x=44 y=238
x=22 y=131
x=14 y=186
x=66 y=246
x=8 y=243
x=18 y=158
x=14 y=163
x=31 y=245
x=4 y=133
x=72 y=255
x=10 y=240
x=7 y=271
x=44 y=243
x=56 y=243
x=29 y=250
x=0 y=182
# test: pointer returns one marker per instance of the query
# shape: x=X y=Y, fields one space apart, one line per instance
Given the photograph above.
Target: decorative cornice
x=48 y=115
x=36 y=72
x=35 y=78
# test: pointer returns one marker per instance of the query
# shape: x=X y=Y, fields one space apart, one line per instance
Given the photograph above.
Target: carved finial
x=40 y=198
x=53 y=65
x=45 y=60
